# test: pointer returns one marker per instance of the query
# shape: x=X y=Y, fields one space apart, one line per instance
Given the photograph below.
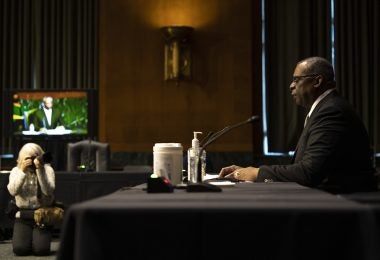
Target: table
x=74 y=187
x=247 y=221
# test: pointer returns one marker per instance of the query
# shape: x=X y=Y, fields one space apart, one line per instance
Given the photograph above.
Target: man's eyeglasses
x=296 y=79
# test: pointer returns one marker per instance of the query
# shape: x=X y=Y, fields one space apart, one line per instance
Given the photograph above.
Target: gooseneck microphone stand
x=211 y=137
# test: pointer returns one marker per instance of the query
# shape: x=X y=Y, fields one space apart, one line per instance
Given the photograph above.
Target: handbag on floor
x=48 y=216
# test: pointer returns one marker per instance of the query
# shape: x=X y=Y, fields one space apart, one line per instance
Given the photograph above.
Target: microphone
x=209 y=134
x=218 y=134
x=214 y=136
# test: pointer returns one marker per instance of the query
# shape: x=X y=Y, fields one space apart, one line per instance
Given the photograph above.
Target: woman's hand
x=37 y=163
x=26 y=163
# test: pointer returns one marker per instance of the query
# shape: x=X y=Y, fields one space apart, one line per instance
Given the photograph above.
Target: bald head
x=320 y=66
x=311 y=77
x=48 y=102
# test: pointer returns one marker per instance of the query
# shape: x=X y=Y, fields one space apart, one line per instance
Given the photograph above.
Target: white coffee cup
x=167 y=161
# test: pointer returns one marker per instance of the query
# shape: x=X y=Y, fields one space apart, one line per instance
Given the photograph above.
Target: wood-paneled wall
x=137 y=108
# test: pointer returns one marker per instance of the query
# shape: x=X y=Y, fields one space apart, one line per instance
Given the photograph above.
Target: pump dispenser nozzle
x=193 y=159
x=195 y=141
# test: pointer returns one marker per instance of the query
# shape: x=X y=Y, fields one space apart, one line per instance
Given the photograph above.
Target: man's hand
x=228 y=170
x=239 y=173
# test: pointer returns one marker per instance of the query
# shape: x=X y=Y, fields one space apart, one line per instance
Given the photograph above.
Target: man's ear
x=318 y=81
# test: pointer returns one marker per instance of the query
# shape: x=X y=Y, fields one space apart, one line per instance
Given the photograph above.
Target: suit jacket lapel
x=303 y=138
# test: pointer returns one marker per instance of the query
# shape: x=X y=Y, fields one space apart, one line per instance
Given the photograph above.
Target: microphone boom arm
x=226 y=129
x=213 y=137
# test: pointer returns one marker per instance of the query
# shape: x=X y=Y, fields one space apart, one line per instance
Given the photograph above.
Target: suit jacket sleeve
x=329 y=144
x=56 y=118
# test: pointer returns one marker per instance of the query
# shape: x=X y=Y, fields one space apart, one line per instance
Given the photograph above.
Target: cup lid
x=168 y=145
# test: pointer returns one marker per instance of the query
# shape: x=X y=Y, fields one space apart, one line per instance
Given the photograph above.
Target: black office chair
x=87 y=156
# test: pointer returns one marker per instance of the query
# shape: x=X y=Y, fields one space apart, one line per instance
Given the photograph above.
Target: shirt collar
x=316 y=102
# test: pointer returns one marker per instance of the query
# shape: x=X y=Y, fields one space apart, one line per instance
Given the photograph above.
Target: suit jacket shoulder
x=333 y=147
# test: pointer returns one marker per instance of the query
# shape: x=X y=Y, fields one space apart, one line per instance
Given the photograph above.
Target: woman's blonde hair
x=29 y=150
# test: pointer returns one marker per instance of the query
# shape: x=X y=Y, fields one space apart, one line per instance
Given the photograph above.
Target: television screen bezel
x=92 y=113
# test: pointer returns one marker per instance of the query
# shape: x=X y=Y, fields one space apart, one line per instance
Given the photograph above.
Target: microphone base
x=202 y=187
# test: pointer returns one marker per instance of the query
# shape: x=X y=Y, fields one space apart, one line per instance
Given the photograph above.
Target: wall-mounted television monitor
x=51 y=112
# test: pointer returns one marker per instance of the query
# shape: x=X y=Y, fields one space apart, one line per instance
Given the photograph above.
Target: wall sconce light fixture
x=177 y=52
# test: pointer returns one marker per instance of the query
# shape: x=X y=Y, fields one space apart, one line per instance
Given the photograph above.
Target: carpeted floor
x=6 y=252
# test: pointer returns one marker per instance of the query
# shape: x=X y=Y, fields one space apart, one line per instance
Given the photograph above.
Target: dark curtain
x=16 y=45
x=49 y=44
x=357 y=43
x=295 y=29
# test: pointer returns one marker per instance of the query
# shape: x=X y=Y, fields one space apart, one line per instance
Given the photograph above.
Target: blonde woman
x=32 y=183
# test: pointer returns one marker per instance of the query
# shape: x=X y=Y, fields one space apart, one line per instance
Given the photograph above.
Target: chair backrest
x=28 y=118
x=88 y=155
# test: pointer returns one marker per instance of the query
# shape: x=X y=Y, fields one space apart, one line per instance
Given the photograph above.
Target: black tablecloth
x=248 y=221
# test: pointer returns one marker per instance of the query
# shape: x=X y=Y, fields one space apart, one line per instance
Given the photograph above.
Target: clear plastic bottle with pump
x=193 y=160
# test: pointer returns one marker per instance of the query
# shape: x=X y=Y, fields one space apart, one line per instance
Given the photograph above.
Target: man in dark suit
x=333 y=152
x=47 y=117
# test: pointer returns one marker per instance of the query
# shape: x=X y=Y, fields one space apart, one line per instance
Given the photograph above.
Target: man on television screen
x=47 y=117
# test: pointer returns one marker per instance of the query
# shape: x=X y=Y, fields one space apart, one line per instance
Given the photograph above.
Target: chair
x=28 y=117
x=88 y=155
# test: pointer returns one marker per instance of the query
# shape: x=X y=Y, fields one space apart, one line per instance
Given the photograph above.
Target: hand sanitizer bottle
x=193 y=159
